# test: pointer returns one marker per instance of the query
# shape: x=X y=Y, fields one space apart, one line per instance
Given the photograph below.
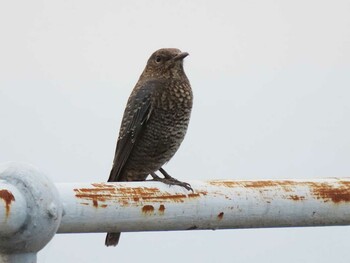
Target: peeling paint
x=296 y=197
x=330 y=192
x=320 y=190
x=101 y=195
x=147 y=209
x=8 y=197
x=161 y=209
x=103 y=192
x=220 y=215
x=229 y=184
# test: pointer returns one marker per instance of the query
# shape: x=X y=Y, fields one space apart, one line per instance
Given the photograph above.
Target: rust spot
x=193 y=195
x=220 y=215
x=147 y=209
x=296 y=197
x=103 y=185
x=229 y=184
x=103 y=206
x=104 y=192
x=330 y=192
x=8 y=197
x=260 y=184
x=175 y=198
x=100 y=192
x=285 y=184
x=161 y=209
x=192 y=227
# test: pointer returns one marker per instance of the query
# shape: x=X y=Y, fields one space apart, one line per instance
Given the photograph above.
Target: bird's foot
x=171 y=181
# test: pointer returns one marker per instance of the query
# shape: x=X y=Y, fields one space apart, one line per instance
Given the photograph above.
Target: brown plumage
x=154 y=123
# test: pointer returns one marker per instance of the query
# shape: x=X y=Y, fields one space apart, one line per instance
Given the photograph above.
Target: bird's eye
x=158 y=59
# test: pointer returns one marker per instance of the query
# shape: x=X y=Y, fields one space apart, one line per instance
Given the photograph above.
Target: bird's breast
x=176 y=96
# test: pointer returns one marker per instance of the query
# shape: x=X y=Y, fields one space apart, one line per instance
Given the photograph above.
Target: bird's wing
x=137 y=112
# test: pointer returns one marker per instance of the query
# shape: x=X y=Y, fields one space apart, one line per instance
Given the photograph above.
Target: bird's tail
x=112 y=239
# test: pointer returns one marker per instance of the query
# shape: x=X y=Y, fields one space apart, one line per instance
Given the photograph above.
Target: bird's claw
x=173 y=181
x=185 y=185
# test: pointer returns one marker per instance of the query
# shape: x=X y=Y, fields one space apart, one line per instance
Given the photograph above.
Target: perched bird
x=154 y=123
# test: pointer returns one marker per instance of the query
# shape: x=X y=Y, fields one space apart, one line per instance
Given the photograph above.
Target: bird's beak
x=181 y=56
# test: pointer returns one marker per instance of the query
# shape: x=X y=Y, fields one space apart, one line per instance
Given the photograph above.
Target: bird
x=154 y=123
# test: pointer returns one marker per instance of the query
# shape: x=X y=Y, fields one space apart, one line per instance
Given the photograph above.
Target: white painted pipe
x=153 y=206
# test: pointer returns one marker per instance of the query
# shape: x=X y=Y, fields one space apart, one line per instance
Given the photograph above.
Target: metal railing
x=33 y=209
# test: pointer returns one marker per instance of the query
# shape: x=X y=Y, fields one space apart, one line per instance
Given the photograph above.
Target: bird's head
x=165 y=63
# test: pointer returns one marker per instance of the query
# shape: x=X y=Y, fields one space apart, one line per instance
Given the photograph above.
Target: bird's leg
x=170 y=180
x=155 y=177
x=166 y=175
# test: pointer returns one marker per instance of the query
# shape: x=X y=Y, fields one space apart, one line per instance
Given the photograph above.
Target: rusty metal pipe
x=33 y=209
x=228 y=204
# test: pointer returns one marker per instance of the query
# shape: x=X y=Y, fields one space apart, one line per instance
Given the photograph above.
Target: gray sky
x=271 y=84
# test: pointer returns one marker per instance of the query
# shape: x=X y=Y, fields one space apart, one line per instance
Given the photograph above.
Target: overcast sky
x=271 y=82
